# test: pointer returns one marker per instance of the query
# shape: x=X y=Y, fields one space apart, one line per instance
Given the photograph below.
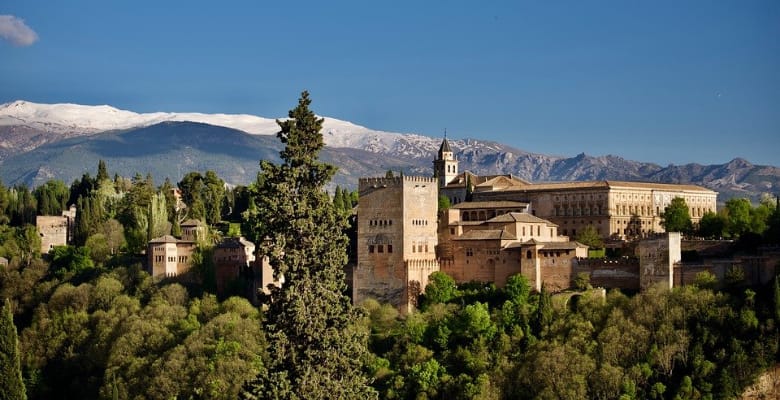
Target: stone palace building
x=498 y=226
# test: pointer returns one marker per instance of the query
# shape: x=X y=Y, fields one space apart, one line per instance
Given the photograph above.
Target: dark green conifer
x=11 y=384
x=314 y=351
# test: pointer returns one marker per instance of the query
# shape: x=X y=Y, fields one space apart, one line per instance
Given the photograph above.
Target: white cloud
x=16 y=32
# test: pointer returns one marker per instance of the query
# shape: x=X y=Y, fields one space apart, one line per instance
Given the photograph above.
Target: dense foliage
x=687 y=343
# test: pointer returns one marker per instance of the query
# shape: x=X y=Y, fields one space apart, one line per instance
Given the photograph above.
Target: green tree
x=590 y=237
x=51 y=197
x=441 y=288
x=738 y=216
x=213 y=197
x=444 y=202
x=676 y=216
x=543 y=316
x=4 y=218
x=11 y=384
x=315 y=351
x=712 y=225
x=518 y=288
x=157 y=217
x=192 y=188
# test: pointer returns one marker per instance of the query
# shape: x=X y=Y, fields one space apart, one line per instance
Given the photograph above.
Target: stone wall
x=619 y=273
x=53 y=231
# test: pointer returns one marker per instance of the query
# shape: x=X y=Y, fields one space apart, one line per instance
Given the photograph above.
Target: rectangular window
x=389 y=248
x=371 y=248
x=381 y=249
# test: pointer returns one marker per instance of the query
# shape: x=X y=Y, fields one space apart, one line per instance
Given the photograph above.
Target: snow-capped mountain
x=44 y=141
x=75 y=120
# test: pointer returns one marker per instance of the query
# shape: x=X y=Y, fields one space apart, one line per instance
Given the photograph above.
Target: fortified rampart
x=617 y=273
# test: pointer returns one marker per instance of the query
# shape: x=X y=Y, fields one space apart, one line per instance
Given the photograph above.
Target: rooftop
x=487 y=234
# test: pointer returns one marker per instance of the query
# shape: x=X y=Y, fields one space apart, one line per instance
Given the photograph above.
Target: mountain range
x=62 y=141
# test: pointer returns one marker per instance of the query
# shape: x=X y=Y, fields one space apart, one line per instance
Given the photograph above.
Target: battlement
x=395 y=181
x=422 y=264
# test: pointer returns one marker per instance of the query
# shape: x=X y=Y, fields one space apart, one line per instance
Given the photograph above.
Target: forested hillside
x=93 y=324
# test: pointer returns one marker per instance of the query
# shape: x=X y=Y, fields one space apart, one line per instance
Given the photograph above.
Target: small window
x=389 y=248
x=528 y=254
x=381 y=249
x=371 y=248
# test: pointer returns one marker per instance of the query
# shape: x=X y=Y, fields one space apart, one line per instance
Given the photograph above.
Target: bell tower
x=445 y=166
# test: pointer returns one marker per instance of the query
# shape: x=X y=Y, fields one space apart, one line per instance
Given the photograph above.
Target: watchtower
x=397 y=238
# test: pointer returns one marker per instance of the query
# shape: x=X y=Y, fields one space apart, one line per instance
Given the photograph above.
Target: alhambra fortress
x=499 y=225
x=495 y=227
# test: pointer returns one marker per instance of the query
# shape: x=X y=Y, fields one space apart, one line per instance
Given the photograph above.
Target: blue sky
x=657 y=81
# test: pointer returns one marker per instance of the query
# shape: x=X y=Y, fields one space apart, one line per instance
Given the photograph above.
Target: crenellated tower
x=397 y=239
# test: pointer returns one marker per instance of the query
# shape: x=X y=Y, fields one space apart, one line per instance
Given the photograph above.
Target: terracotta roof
x=469 y=205
x=460 y=180
x=519 y=217
x=487 y=234
x=467 y=223
x=547 y=245
x=502 y=181
x=164 y=239
x=233 y=242
x=562 y=245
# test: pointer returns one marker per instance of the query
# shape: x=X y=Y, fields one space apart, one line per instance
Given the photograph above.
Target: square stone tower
x=397 y=239
x=657 y=257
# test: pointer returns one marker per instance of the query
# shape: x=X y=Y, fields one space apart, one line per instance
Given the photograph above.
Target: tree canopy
x=676 y=216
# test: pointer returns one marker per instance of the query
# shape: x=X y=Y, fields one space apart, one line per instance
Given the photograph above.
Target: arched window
x=528 y=254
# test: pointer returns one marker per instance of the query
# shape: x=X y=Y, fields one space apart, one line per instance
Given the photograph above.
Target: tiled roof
x=519 y=217
x=469 y=205
x=487 y=234
x=460 y=180
x=164 y=239
x=547 y=245
x=605 y=185
x=235 y=243
x=503 y=181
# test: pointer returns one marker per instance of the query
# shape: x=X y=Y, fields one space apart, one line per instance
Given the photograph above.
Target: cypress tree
x=314 y=353
x=102 y=173
x=338 y=200
x=11 y=384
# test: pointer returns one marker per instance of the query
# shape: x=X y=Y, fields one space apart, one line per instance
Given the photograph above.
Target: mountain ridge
x=29 y=132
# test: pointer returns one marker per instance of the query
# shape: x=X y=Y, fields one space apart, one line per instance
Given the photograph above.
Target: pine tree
x=314 y=351
x=11 y=384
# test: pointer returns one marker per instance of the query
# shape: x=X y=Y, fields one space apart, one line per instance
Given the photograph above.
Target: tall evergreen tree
x=11 y=384
x=315 y=353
